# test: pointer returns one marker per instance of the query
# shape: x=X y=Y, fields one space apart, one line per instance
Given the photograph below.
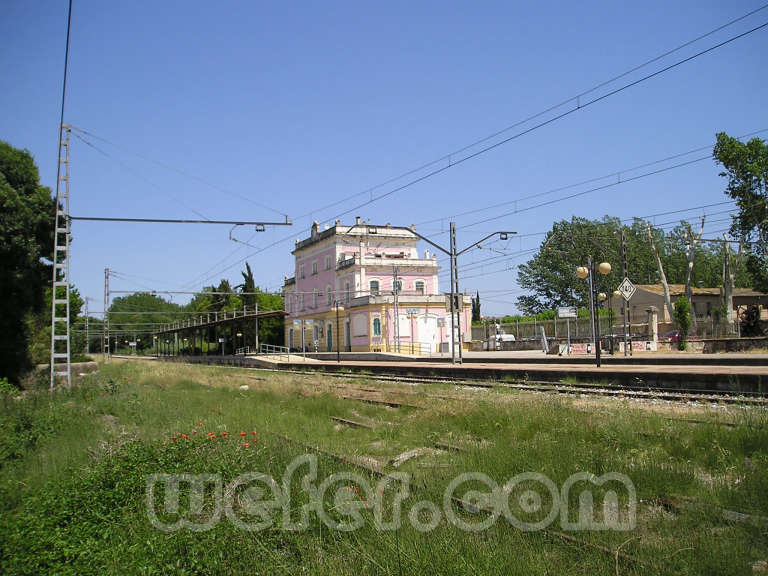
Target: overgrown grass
x=73 y=470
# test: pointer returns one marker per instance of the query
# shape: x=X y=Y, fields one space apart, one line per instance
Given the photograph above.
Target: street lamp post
x=239 y=336
x=338 y=331
x=588 y=272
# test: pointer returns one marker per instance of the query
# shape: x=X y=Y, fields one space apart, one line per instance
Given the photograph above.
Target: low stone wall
x=77 y=367
x=734 y=344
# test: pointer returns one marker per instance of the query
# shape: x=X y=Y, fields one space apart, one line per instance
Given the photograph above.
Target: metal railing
x=557 y=329
x=243 y=351
x=272 y=350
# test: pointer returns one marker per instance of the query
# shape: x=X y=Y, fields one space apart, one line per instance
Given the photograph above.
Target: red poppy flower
x=213 y=409
x=173 y=438
x=199 y=423
x=185 y=437
x=86 y=394
x=246 y=444
x=194 y=431
x=254 y=432
x=213 y=436
x=243 y=434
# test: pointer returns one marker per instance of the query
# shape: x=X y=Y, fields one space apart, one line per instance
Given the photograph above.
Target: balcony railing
x=346 y=263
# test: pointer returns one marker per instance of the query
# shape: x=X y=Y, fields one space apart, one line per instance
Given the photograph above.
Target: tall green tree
x=476 y=308
x=138 y=315
x=27 y=212
x=248 y=285
x=550 y=276
x=746 y=167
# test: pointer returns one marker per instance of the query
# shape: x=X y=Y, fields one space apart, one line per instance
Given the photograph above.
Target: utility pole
x=455 y=296
x=397 y=310
x=453 y=255
x=105 y=325
x=60 y=283
x=87 y=334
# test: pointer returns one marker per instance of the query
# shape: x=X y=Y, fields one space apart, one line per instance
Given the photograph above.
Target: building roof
x=679 y=290
x=357 y=229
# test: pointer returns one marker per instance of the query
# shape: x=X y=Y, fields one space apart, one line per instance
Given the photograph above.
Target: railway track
x=636 y=392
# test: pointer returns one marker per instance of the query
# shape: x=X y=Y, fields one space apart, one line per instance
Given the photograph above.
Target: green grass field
x=74 y=468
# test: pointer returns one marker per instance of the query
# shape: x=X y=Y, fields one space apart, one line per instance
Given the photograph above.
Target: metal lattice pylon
x=60 y=342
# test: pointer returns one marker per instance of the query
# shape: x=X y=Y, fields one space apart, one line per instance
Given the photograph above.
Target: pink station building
x=349 y=280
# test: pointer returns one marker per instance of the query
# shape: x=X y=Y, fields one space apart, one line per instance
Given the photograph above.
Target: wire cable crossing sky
x=224 y=116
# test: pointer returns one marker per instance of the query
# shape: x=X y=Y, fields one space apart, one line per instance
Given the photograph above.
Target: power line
x=180 y=221
x=178 y=171
x=579 y=106
x=555 y=118
x=615 y=174
x=448 y=156
x=140 y=176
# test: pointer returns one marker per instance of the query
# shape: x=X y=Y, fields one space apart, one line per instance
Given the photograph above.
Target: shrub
x=683 y=320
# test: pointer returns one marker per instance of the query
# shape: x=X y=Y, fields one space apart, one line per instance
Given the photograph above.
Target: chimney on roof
x=337 y=222
x=357 y=220
x=315 y=224
x=413 y=227
x=389 y=225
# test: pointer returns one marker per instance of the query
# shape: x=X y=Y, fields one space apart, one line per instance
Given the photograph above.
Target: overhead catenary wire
x=178 y=171
x=576 y=97
x=579 y=106
x=140 y=176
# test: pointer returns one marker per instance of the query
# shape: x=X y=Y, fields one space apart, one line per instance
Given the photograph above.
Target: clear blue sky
x=290 y=106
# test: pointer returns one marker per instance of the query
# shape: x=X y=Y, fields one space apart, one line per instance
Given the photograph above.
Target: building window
x=328 y=295
x=419 y=286
x=301 y=270
x=377 y=326
x=314 y=267
x=288 y=302
x=346 y=291
x=399 y=285
x=314 y=298
x=374 y=287
x=302 y=301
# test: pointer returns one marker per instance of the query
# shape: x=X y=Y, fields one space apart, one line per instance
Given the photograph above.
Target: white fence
x=557 y=328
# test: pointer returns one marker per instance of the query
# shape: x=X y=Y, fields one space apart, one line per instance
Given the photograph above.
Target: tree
x=550 y=275
x=746 y=167
x=662 y=275
x=138 y=315
x=682 y=315
x=248 y=285
x=39 y=328
x=476 y=308
x=653 y=257
x=27 y=213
